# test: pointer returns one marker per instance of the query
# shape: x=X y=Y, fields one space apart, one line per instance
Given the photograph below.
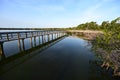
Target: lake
x=68 y=59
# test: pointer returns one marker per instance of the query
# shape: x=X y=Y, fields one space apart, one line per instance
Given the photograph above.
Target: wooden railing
x=21 y=36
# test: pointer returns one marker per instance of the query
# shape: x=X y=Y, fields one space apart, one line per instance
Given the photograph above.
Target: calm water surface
x=11 y=47
x=69 y=59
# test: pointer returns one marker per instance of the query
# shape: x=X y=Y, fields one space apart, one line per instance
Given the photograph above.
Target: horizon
x=56 y=13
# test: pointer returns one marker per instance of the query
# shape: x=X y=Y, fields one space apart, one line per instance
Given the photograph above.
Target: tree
x=88 y=26
x=105 y=25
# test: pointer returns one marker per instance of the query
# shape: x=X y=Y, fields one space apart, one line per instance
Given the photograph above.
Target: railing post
x=2 y=51
x=52 y=36
x=0 y=36
x=32 y=33
x=35 y=41
x=39 y=39
x=23 y=45
x=19 y=45
x=11 y=35
x=31 y=42
x=42 y=39
x=26 y=34
x=36 y=33
x=55 y=35
x=48 y=37
x=7 y=37
x=58 y=34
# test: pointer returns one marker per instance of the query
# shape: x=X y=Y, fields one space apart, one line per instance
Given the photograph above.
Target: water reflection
x=12 y=47
x=16 y=60
x=69 y=59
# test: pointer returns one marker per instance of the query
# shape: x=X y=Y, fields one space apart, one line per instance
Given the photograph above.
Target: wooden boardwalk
x=22 y=35
x=10 y=36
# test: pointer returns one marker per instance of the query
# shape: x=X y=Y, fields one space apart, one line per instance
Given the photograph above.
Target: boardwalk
x=44 y=37
x=10 y=36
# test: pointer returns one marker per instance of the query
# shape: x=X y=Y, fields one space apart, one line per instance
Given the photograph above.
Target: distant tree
x=105 y=25
x=88 y=26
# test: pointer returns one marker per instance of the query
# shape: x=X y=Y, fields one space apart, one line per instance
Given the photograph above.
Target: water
x=11 y=47
x=69 y=59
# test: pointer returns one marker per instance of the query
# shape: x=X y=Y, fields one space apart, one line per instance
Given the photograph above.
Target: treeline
x=106 y=25
x=87 y=26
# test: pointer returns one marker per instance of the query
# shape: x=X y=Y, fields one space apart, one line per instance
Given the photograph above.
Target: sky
x=56 y=13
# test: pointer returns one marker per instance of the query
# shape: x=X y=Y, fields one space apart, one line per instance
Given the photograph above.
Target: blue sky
x=56 y=13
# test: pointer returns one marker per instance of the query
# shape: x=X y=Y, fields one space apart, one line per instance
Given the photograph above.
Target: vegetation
x=107 y=45
x=106 y=25
x=87 y=26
